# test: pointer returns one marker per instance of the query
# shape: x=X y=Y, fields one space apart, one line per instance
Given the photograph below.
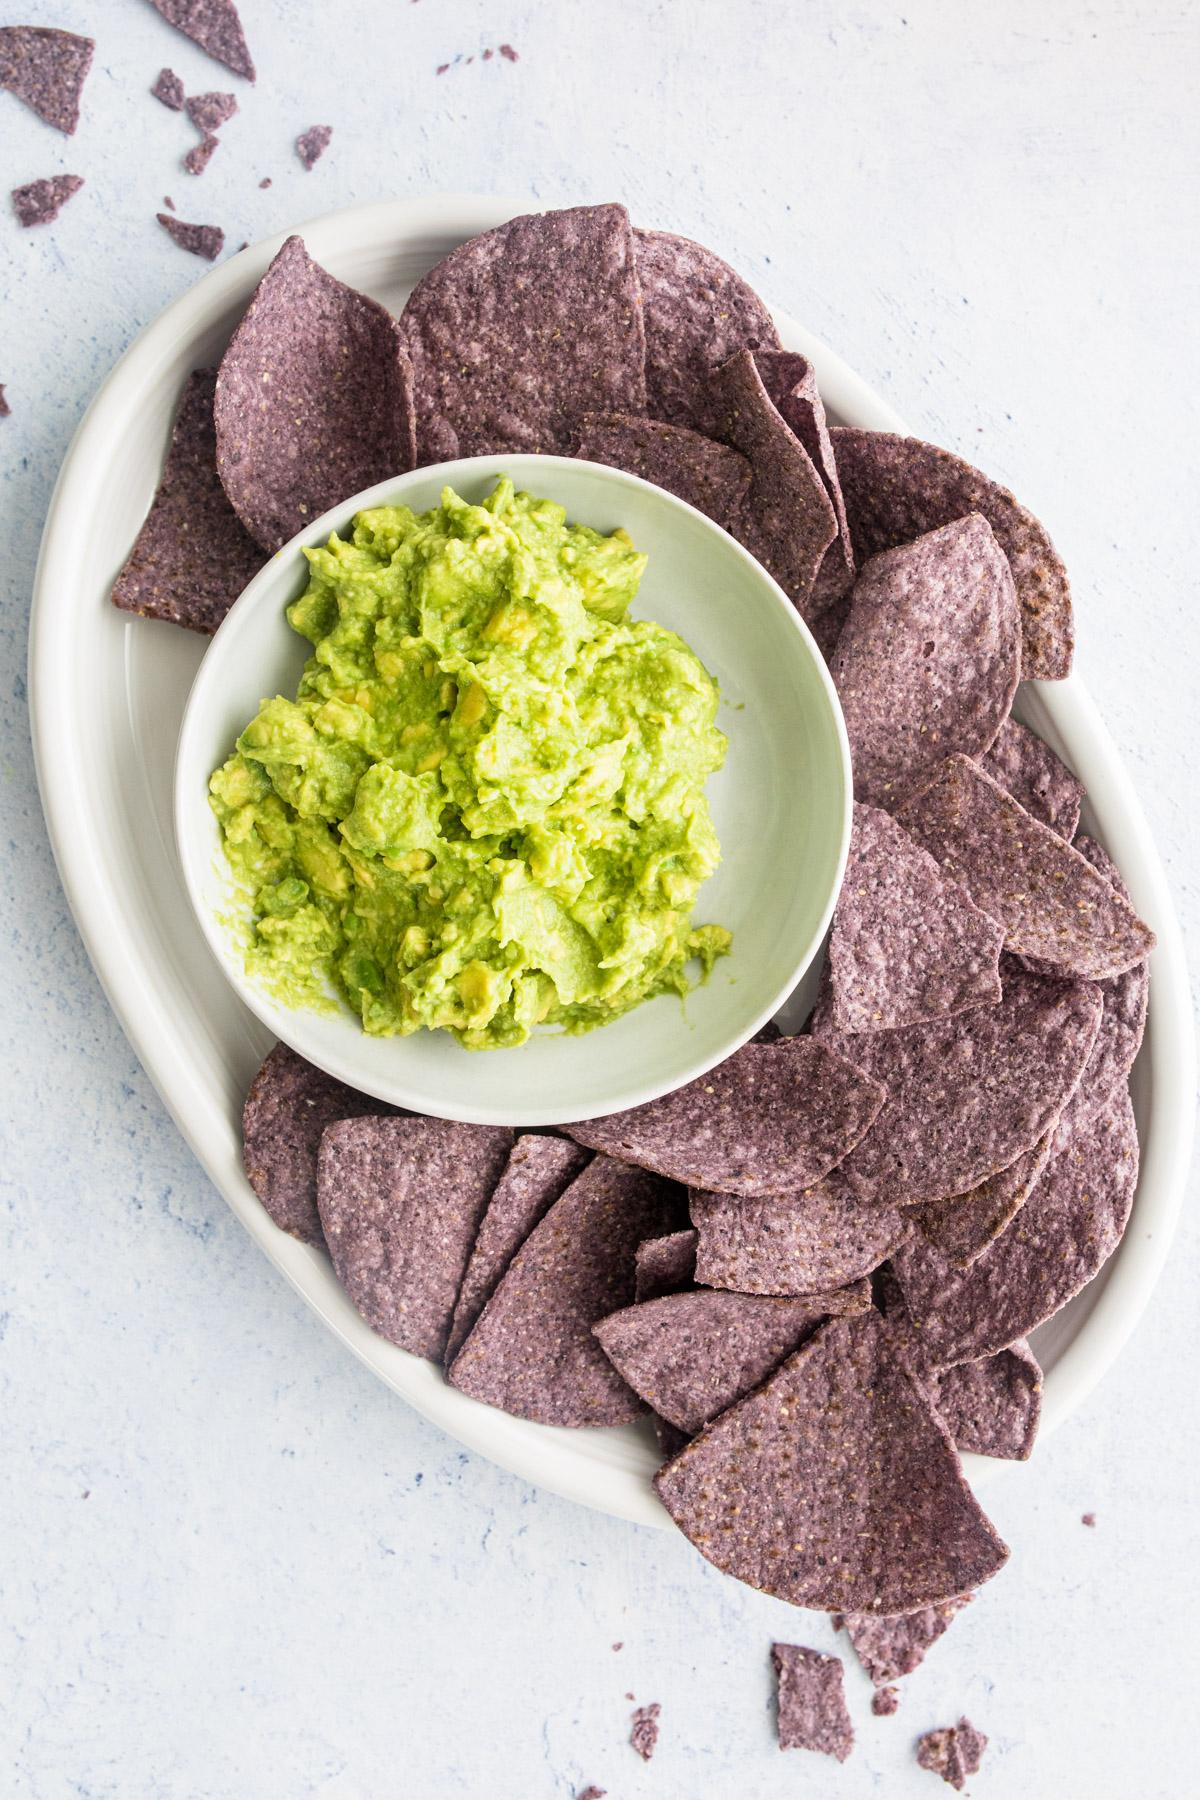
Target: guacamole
x=484 y=810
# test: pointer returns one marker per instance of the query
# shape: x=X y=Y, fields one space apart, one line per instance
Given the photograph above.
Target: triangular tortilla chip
x=992 y=1407
x=889 y=1649
x=962 y=1228
x=791 y=382
x=215 y=26
x=712 y=477
x=46 y=68
x=1037 y=779
x=822 y=1237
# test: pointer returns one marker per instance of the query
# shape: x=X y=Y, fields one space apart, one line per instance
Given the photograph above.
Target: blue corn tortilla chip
x=314 y=399
x=835 y=1485
x=897 y=488
x=289 y=1105
x=810 y=1704
x=520 y=332
x=1125 y=999
x=691 y=1355
x=929 y=658
x=907 y=946
x=215 y=26
x=1056 y=908
x=712 y=477
x=643 y=1734
x=1037 y=779
x=46 y=69
x=799 y=1243
x=664 y=1265
x=960 y=1229
x=208 y=112
x=40 y=202
x=312 y=144
x=787 y=520
x=532 y=1352
x=192 y=556
x=991 y=1407
x=169 y=89
x=792 y=384
x=889 y=1649
x=1061 y=1238
x=199 y=240
x=698 y=313
x=400 y=1201
x=537 y=1173
x=970 y=1094
x=953 y=1752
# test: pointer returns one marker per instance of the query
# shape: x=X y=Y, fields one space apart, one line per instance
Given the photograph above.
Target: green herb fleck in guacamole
x=484 y=810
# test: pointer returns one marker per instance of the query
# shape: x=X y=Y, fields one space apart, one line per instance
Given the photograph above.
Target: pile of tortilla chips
x=817 y=1267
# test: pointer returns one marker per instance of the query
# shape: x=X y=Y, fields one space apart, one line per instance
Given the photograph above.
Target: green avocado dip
x=484 y=810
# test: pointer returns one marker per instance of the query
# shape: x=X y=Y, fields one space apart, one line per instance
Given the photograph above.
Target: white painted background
x=233 y=1566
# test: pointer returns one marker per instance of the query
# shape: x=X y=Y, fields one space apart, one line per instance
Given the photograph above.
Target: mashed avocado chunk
x=484 y=810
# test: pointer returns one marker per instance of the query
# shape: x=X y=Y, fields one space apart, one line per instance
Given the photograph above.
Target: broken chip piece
x=40 y=202
x=643 y=1733
x=929 y=657
x=532 y=1352
x=664 y=1265
x=201 y=154
x=889 y=1649
x=1036 y=778
x=215 y=26
x=791 y=382
x=201 y=240
x=771 y=1117
x=822 y=1237
x=953 y=1752
x=992 y=1406
x=169 y=89
x=192 y=556
x=961 y=1229
x=835 y=1485
x=907 y=945
x=208 y=112
x=46 y=69
x=400 y=1201
x=314 y=399
x=312 y=144
x=897 y=488
x=811 y=1705
x=712 y=477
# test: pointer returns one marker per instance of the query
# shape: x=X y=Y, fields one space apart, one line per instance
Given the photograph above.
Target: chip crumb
x=508 y=53
x=201 y=154
x=40 y=202
x=208 y=112
x=884 y=1701
x=5 y=408
x=168 y=203
x=169 y=89
x=644 y=1734
x=592 y=1792
x=312 y=144
x=201 y=240
x=265 y=182
x=620 y=1644
x=1088 y=1519
x=953 y=1752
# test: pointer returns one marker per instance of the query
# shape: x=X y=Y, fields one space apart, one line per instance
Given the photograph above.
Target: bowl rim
x=292 y=1024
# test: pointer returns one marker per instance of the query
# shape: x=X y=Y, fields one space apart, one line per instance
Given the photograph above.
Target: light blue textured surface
x=234 y=1566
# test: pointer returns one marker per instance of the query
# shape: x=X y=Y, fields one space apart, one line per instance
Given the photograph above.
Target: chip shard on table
x=46 y=68
x=215 y=26
x=810 y=1703
x=953 y=1752
x=643 y=1733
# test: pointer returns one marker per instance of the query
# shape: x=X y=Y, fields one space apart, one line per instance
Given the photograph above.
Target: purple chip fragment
x=992 y=1406
x=929 y=658
x=591 y=1792
x=885 y=1701
x=192 y=557
x=771 y=1117
x=532 y=1352
x=1037 y=779
x=537 y=1173
x=208 y=112
x=891 y=1648
x=40 y=202
x=907 y=945
x=312 y=144
x=712 y=477
x=643 y=1733
x=1055 y=906
x=811 y=1705
x=698 y=313
x=802 y=1243
x=314 y=399
x=5 y=408
x=664 y=1265
x=201 y=154
x=169 y=89
x=953 y=1752
x=400 y=1201
x=897 y=488
x=200 y=240
x=46 y=69
x=215 y=26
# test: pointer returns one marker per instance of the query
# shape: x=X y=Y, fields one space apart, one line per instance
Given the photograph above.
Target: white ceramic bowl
x=781 y=804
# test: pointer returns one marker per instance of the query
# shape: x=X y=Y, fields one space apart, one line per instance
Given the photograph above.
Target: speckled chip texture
x=312 y=144
x=643 y=1733
x=889 y=1649
x=664 y=1265
x=810 y=1704
x=770 y=1117
x=897 y=488
x=532 y=1352
x=712 y=477
x=169 y=89
x=992 y=1406
x=537 y=1172
x=208 y=112
x=207 y=241
x=970 y=1094
x=400 y=1202
x=698 y=312
x=192 y=557
x=822 y=1237
x=690 y=1356
x=215 y=26
x=929 y=658
x=908 y=945
x=46 y=69
x=1036 y=778
x=40 y=202
x=1061 y=1238
x=201 y=154
x=791 y=382
x=1054 y=905
x=314 y=399
x=961 y=1229
x=520 y=332
x=1125 y=1000
x=953 y=1752
x=835 y=1485
x=287 y=1109
x=787 y=520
